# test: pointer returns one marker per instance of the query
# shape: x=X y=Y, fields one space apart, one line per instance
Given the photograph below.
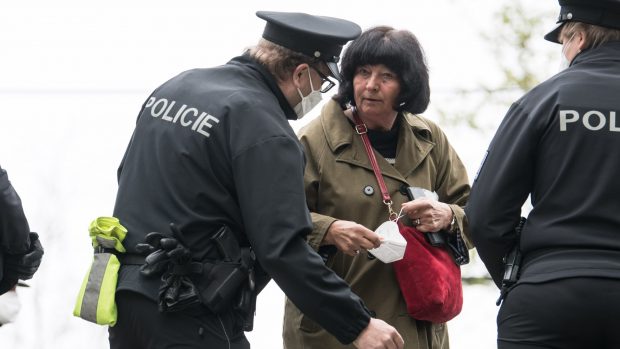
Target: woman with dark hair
x=385 y=82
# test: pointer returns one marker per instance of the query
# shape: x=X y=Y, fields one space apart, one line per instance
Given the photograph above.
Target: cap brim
x=554 y=35
x=333 y=68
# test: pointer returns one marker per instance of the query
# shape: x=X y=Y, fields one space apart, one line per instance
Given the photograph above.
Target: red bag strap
x=362 y=130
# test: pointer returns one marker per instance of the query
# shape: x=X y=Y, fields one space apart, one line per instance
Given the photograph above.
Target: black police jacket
x=558 y=143
x=212 y=147
x=14 y=229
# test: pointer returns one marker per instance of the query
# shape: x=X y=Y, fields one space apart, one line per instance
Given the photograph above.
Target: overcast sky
x=73 y=75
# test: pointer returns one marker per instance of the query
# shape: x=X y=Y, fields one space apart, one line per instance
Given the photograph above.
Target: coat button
x=369 y=190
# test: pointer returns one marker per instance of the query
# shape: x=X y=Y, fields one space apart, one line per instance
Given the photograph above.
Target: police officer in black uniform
x=558 y=144
x=214 y=147
x=20 y=250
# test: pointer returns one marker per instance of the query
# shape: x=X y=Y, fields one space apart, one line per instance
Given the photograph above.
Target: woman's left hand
x=428 y=215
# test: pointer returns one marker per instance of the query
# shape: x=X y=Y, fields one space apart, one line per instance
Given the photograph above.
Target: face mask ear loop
x=310 y=77
x=311 y=86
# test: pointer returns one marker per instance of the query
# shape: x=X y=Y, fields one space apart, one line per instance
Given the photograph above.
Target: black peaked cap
x=319 y=37
x=605 y=13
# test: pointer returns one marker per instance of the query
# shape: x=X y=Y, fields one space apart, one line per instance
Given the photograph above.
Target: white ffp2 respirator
x=393 y=244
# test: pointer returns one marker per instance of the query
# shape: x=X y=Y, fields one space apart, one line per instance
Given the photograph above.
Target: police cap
x=605 y=13
x=315 y=36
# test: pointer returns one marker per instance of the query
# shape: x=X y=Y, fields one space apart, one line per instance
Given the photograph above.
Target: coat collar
x=414 y=142
x=270 y=80
x=608 y=51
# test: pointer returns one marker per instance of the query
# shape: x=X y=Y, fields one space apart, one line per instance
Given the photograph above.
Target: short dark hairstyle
x=400 y=51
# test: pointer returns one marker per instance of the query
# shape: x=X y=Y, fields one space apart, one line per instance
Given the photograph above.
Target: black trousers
x=575 y=313
x=141 y=326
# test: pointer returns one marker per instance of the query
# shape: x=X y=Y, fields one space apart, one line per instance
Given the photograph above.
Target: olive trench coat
x=340 y=184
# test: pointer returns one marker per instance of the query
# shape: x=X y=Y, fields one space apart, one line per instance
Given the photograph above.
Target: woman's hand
x=350 y=237
x=428 y=215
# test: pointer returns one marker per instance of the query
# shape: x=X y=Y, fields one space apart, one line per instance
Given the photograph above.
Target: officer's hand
x=379 y=335
x=350 y=237
x=24 y=266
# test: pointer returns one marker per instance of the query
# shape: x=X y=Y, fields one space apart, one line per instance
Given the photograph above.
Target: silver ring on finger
x=417 y=221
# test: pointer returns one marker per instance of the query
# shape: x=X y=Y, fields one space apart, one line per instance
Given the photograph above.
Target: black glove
x=177 y=293
x=157 y=261
x=22 y=266
x=170 y=259
x=165 y=254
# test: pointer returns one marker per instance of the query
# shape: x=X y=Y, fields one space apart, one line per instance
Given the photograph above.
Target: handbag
x=428 y=277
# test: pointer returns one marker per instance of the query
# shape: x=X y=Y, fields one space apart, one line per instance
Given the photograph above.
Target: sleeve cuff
x=461 y=221
x=351 y=333
x=320 y=224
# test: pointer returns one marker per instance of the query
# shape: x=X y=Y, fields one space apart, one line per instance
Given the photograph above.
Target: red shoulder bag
x=429 y=279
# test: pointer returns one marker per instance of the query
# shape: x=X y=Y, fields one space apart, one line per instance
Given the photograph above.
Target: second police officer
x=558 y=144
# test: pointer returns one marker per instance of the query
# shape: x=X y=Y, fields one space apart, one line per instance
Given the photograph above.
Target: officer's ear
x=300 y=75
x=580 y=40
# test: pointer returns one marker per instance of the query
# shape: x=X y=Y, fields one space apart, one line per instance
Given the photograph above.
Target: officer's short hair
x=279 y=60
x=594 y=35
x=398 y=50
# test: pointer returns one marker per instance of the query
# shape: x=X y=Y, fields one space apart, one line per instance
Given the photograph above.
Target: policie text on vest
x=592 y=120
x=185 y=115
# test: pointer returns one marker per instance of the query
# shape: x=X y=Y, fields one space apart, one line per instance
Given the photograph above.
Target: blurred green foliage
x=515 y=43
